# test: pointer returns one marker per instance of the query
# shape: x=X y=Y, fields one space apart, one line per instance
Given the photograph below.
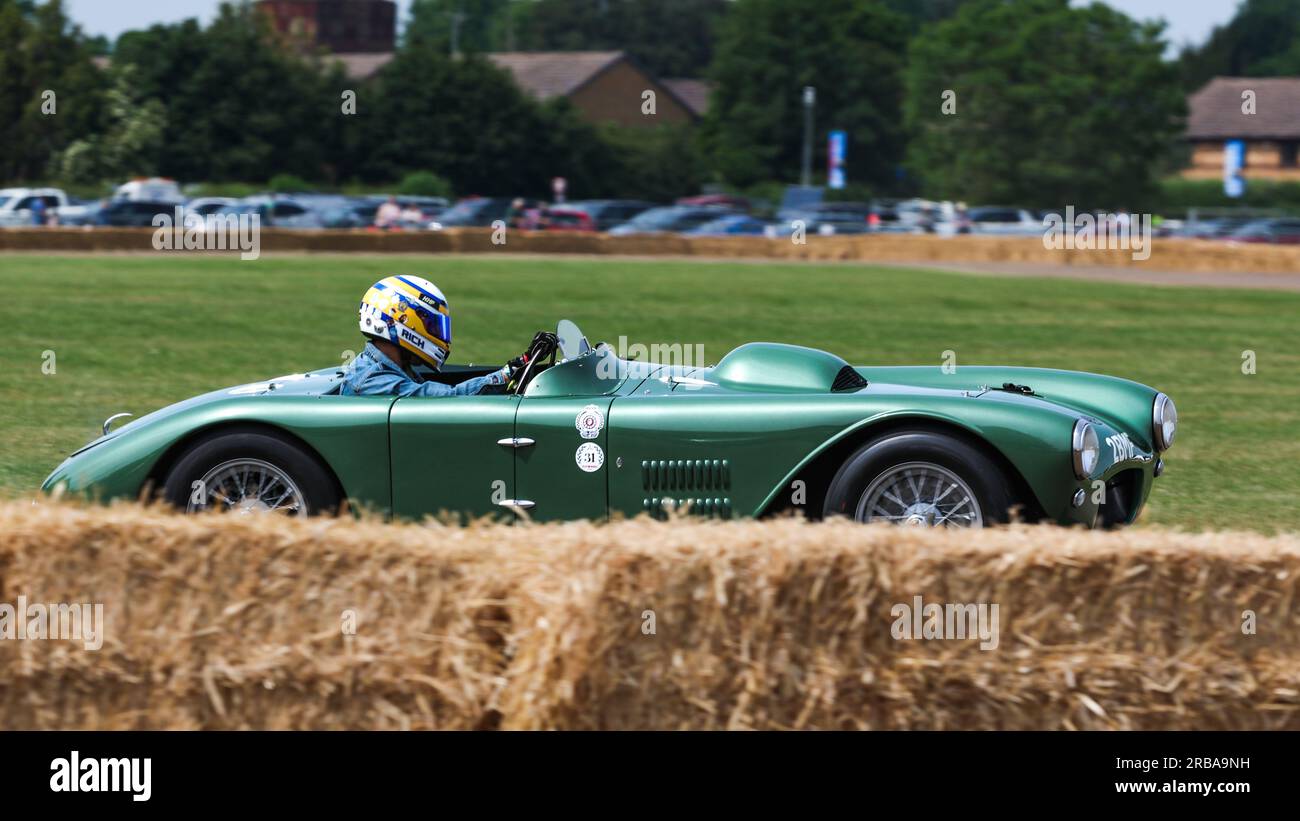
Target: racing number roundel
x=589 y=422
x=590 y=457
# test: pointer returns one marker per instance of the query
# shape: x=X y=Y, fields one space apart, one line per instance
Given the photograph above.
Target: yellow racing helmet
x=409 y=312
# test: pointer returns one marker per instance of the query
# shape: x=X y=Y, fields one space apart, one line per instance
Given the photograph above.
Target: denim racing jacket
x=372 y=373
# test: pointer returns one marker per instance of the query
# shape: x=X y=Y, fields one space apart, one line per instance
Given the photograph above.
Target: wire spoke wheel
x=247 y=486
x=920 y=494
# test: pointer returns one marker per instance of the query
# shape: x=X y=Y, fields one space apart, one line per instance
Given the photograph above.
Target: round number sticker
x=590 y=457
x=589 y=422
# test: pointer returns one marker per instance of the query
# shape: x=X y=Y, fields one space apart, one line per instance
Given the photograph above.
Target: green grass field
x=133 y=333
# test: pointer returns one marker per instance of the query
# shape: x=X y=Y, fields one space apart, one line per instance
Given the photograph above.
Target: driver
x=407 y=324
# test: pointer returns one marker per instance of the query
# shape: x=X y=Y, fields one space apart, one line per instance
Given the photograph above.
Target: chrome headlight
x=1164 y=422
x=1086 y=449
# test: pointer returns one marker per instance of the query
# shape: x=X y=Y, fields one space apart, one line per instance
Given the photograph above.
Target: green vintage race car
x=587 y=434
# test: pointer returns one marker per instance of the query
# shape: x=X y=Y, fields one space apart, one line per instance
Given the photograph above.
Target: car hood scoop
x=772 y=367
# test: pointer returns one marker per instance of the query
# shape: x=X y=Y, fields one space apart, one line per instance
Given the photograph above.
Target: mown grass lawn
x=134 y=333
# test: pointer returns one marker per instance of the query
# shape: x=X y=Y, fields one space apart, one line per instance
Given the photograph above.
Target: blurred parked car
x=134 y=213
x=668 y=219
x=609 y=213
x=1003 y=221
x=79 y=212
x=729 y=201
x=1274 y=231
x=473 y=212
x=275 y=212
x=565 y=218
x=16 y=204
x=731 y=225
x=828 y=218
x=199 y=207
x=1215 y=228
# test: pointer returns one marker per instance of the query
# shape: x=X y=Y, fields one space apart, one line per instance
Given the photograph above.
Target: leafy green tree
x=463 y=119
x=424 y=184
x=670 y=38
x=15 y=90
x=921 y=12
x=657 y=164
x=1262 y=39
x=161 y=54
x=129 y=146
x=1035 y=102
x=50 y=91
x=769 y=50
x=478 y=25
x=240 y=105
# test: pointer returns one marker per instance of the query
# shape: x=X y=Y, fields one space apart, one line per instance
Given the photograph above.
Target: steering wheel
x=539 y=351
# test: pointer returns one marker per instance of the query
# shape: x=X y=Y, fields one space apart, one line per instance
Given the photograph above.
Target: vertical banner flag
x=1234 y=159
x=837 y=147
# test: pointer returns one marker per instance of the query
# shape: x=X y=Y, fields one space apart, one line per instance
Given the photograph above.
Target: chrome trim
x=108 y=423
x=516 y=442
x=522 y=504
x=1079 y=497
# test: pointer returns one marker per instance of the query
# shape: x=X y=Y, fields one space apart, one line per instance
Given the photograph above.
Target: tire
x=281 y=467
x=880 y=482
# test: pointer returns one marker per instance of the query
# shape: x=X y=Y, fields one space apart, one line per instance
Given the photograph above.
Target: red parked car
x=1276 y=231
x=567 y=219
x=724 y=200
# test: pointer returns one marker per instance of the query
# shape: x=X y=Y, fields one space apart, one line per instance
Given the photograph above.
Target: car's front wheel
x=922 y=479
x=250 y=471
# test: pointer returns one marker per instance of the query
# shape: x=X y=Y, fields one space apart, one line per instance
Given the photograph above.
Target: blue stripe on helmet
x=434 y=297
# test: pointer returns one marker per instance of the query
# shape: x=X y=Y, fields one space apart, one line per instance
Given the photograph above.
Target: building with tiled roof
x=1263 y=112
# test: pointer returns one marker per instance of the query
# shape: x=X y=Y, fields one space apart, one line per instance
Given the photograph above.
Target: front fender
x=349 y=433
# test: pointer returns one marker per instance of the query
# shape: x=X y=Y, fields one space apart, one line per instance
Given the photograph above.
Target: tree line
x=1024 y=101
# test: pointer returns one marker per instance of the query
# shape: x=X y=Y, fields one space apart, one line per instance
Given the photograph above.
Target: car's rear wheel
x=250 y=471
x=922 y=479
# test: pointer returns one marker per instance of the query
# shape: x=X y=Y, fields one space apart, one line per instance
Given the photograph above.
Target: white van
x=152 y=189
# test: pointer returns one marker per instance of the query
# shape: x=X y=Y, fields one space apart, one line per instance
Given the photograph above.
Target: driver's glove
x=547 y=340
x=544 y=342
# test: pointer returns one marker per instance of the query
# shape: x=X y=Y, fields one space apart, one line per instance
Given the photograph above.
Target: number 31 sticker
x=590 y=457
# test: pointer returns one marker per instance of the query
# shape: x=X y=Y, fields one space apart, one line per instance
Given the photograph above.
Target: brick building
x=605 y=86
x=1263 y=112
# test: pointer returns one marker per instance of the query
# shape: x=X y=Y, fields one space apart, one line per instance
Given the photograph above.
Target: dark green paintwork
x=730 y=439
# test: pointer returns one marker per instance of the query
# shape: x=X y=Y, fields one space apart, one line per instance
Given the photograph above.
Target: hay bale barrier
x=894 y=249
x=242 y=623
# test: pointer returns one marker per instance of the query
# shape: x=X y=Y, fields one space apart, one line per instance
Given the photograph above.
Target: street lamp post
x=809 y=98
